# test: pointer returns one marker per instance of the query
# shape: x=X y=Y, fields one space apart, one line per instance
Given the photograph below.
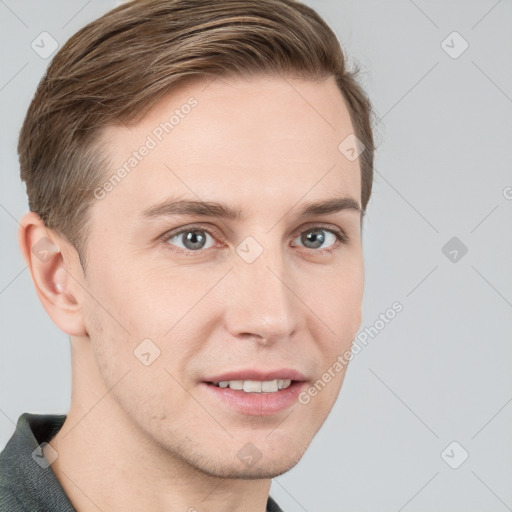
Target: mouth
x=256 y=392
x=254 y=386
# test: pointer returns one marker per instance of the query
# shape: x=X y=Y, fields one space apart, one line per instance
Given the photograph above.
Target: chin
x=265 y=468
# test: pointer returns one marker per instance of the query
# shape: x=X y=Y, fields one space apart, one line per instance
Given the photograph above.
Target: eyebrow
x=223 y=211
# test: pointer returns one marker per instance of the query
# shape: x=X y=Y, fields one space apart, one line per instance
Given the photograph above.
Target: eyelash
x=341 y=238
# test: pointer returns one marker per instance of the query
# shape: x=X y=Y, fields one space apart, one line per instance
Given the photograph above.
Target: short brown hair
x=117 y=67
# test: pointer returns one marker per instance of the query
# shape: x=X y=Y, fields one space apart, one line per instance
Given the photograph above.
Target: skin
x=150 y=437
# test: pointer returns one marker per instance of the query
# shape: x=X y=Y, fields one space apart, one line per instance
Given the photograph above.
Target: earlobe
x=48 y=257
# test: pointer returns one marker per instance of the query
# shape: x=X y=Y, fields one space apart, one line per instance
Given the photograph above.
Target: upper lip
x=253 y=374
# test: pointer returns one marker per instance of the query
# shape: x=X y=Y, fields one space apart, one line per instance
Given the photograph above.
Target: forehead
x=259 y=139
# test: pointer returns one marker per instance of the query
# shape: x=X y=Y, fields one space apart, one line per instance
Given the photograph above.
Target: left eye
x=315 y=238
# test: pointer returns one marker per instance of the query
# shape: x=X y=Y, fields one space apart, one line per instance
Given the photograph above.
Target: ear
x=56 y=272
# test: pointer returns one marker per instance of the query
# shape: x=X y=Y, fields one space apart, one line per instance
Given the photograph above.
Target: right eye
x=192 y=239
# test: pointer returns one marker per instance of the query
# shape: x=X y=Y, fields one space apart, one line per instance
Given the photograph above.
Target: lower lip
x=257 y=404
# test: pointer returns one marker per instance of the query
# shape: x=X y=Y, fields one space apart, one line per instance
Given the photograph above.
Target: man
x=197 y=175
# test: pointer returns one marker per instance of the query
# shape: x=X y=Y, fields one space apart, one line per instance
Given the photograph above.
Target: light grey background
x=440 y=371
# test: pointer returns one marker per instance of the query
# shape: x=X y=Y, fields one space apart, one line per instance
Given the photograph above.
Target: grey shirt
x=27 y=482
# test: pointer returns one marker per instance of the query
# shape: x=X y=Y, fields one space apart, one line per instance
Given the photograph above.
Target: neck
x=106 y=462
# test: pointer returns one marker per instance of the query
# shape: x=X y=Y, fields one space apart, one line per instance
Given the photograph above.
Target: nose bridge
x=264 y=304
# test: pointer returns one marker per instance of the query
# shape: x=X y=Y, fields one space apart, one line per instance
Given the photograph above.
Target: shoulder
x=9 y=502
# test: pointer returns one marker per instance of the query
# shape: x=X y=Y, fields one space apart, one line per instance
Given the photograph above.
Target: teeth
x=256 y=386
x=269 y=386
x=252 y=386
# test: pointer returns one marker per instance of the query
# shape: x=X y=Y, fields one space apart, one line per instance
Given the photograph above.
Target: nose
x=262 y=303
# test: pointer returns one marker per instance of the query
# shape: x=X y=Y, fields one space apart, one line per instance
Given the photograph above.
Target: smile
x=255 y=386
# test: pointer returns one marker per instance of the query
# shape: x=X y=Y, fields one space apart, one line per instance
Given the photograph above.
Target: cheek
x=340 y=303
x=131 y=314
x=123 y=299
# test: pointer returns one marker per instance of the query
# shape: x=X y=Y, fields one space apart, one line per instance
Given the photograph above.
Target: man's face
x=272 y=295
